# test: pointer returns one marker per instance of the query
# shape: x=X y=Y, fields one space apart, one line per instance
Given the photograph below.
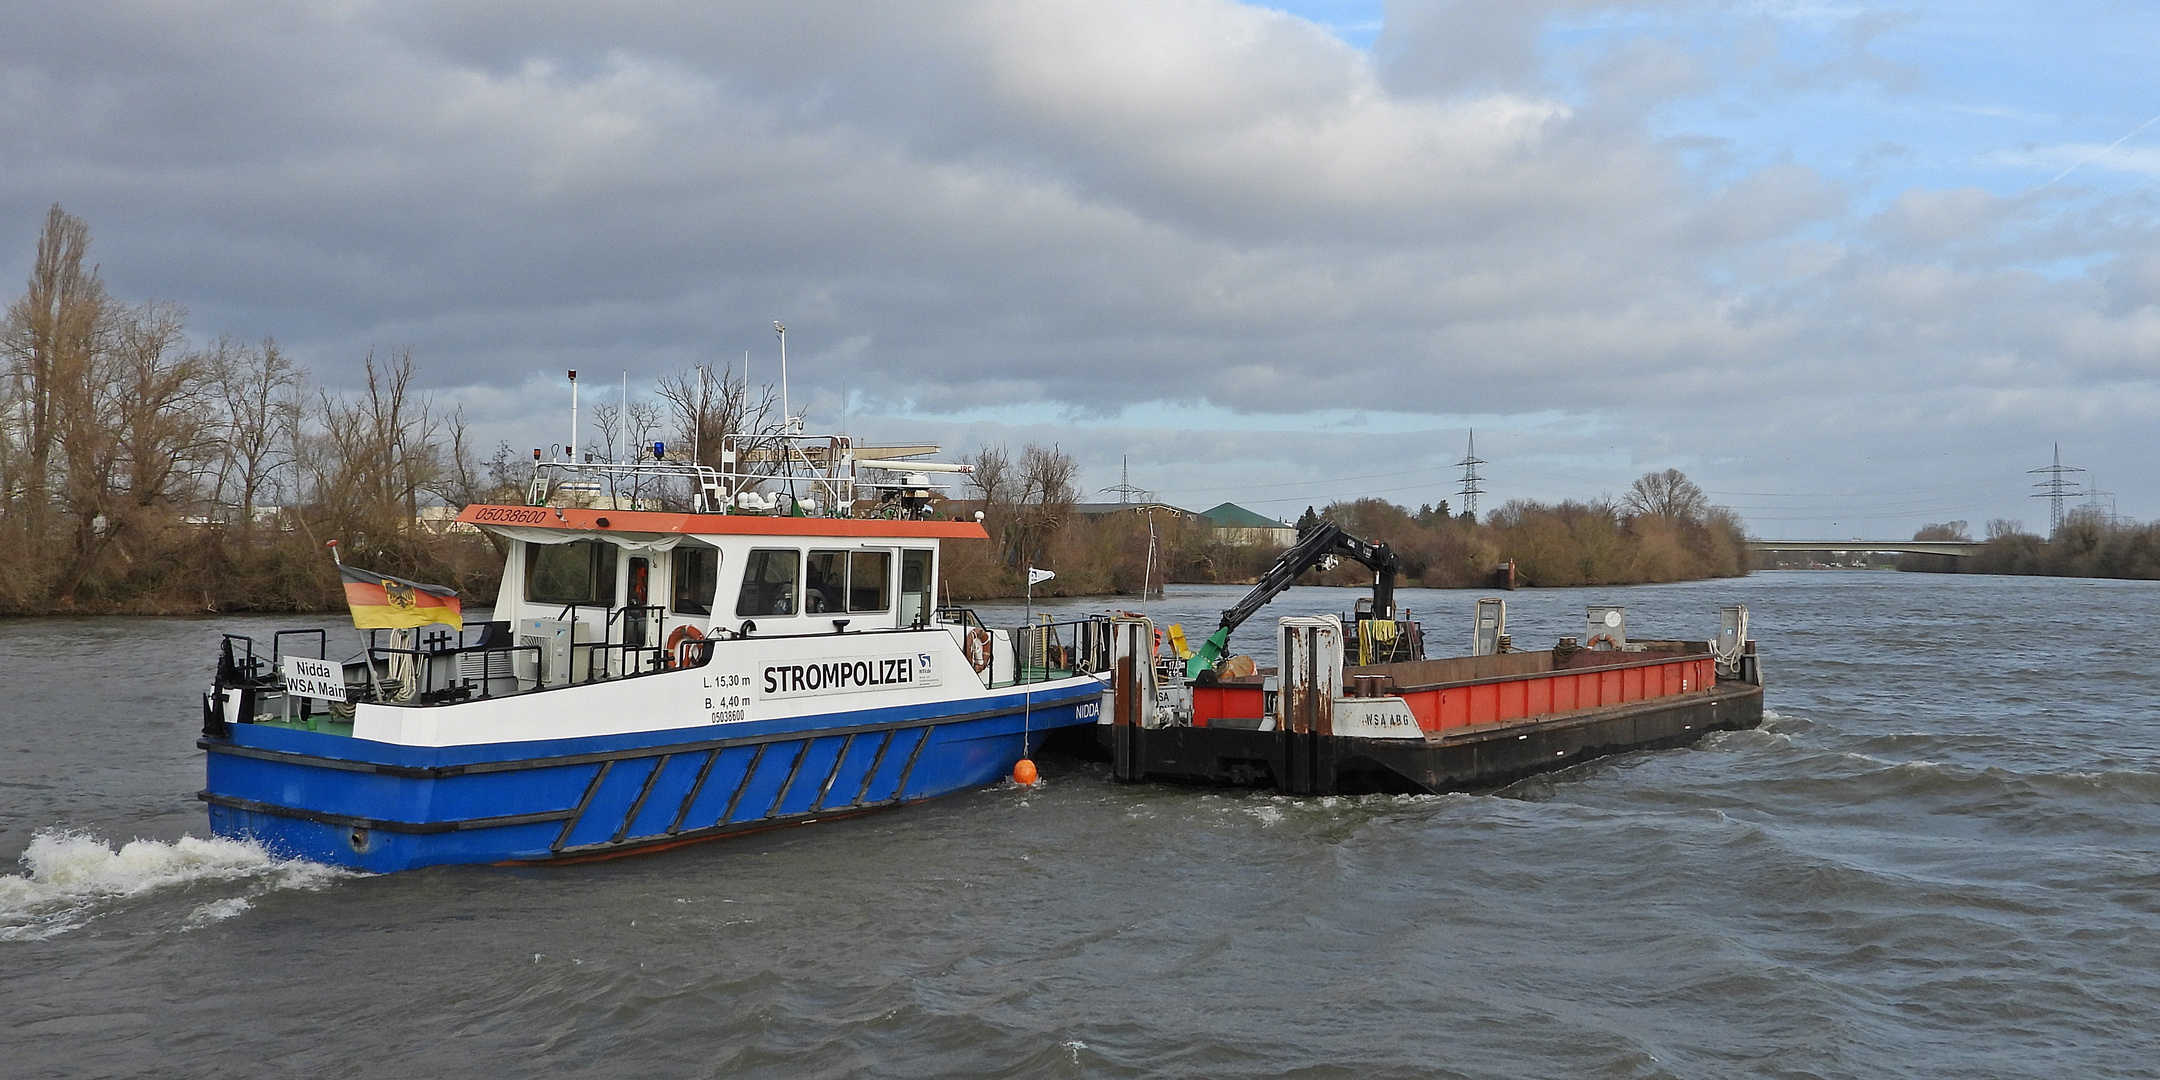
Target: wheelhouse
x=785 y=575
x=626 y=587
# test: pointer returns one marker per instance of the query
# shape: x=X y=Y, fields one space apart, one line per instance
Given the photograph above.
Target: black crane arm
x=1317 y=540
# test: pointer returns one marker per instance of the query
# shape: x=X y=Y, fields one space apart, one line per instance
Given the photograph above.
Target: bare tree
x=1045 y=489
x=708 y=406
x=258 y=387
x=50 y=340
x=643 y=423
x=992 y=478
x=464 y=479
x=608 y=417
x=14 y=444
x=133 y=434
x=1047 y=477
x=372 y=456
x=1669 y=495
x=157 y=395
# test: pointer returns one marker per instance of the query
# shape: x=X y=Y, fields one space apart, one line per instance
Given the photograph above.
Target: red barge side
x=1464 y=723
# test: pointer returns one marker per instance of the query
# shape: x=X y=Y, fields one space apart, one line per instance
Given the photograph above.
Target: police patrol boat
x=678 y=652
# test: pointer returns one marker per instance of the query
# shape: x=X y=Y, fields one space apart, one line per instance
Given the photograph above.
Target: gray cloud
x=1081 y=209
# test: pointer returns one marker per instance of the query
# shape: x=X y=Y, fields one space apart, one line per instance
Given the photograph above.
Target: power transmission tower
x=2093 y=495
x=1470 y=478
x=1125 y=491
x=2057 y=488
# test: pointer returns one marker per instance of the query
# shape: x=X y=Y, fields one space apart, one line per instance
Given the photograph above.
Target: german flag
x=382 y=602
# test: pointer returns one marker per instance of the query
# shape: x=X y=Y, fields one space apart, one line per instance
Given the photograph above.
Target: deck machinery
x=1322 y=544
x=1355 y=706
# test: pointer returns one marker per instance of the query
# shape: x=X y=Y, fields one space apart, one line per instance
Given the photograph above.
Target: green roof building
x=1236 y=525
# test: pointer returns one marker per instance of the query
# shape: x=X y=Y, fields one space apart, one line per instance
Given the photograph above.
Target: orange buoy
x=1024 y=773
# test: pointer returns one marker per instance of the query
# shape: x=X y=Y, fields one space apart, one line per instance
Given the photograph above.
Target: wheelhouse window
x=580 y=572
x=843 y=581
x=696 y=573
x=869 y=581
x=826 y=582
x=768 y=584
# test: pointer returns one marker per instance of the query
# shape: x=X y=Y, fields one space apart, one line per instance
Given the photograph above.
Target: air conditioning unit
x=559 y=663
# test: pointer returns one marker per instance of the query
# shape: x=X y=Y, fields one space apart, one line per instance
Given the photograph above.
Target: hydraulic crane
x=1320 y=543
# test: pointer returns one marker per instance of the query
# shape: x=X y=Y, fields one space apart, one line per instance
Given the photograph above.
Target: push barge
x=649 y=678
x=1354 y=707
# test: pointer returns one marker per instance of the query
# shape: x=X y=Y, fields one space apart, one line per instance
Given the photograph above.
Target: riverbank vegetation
x=141 y=473
x=2089 y=543
x=1662 y=529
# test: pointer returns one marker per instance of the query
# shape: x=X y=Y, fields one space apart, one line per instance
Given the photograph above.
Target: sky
x=1852 y=267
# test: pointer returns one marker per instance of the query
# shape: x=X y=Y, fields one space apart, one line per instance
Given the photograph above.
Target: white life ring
x=978 y=649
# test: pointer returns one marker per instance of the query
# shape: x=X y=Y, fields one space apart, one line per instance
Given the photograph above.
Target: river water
x=1940 y=857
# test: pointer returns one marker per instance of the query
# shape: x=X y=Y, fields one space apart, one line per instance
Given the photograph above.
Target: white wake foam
x=72 y=877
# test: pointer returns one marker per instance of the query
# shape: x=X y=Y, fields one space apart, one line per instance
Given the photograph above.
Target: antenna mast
x=787 y=420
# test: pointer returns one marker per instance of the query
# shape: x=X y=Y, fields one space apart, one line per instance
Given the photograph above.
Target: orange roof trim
x=646 y=521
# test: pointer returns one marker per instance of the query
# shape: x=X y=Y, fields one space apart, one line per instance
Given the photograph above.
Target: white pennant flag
x=1038 y=576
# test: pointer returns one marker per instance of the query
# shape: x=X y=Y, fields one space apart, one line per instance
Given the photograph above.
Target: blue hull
x=383 y=807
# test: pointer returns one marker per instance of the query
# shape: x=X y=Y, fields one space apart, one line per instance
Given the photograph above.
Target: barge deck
x=1317 y=727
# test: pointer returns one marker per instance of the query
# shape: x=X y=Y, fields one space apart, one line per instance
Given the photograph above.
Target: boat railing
x=622 y=652
x=441 y=666
x=609 y=660
x=248 y=664
x=962 y=617
x=439 y=669
x=248 y=669
x=1047 y=651
x=277 y=643
x=242 y=681
x=244 y=668
x=646 y=484
x=819 y=465
x=815 y=471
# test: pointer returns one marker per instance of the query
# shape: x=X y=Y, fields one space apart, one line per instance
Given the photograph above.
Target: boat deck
x=326 y=724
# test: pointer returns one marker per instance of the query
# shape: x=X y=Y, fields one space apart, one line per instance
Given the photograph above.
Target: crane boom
x=1318 y=541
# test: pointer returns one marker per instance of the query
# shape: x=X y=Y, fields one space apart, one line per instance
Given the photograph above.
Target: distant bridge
x=1961 y=548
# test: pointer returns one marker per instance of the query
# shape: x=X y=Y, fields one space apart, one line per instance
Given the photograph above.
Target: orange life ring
x=1606 y=638
x=978 y=649
x=679 y=643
